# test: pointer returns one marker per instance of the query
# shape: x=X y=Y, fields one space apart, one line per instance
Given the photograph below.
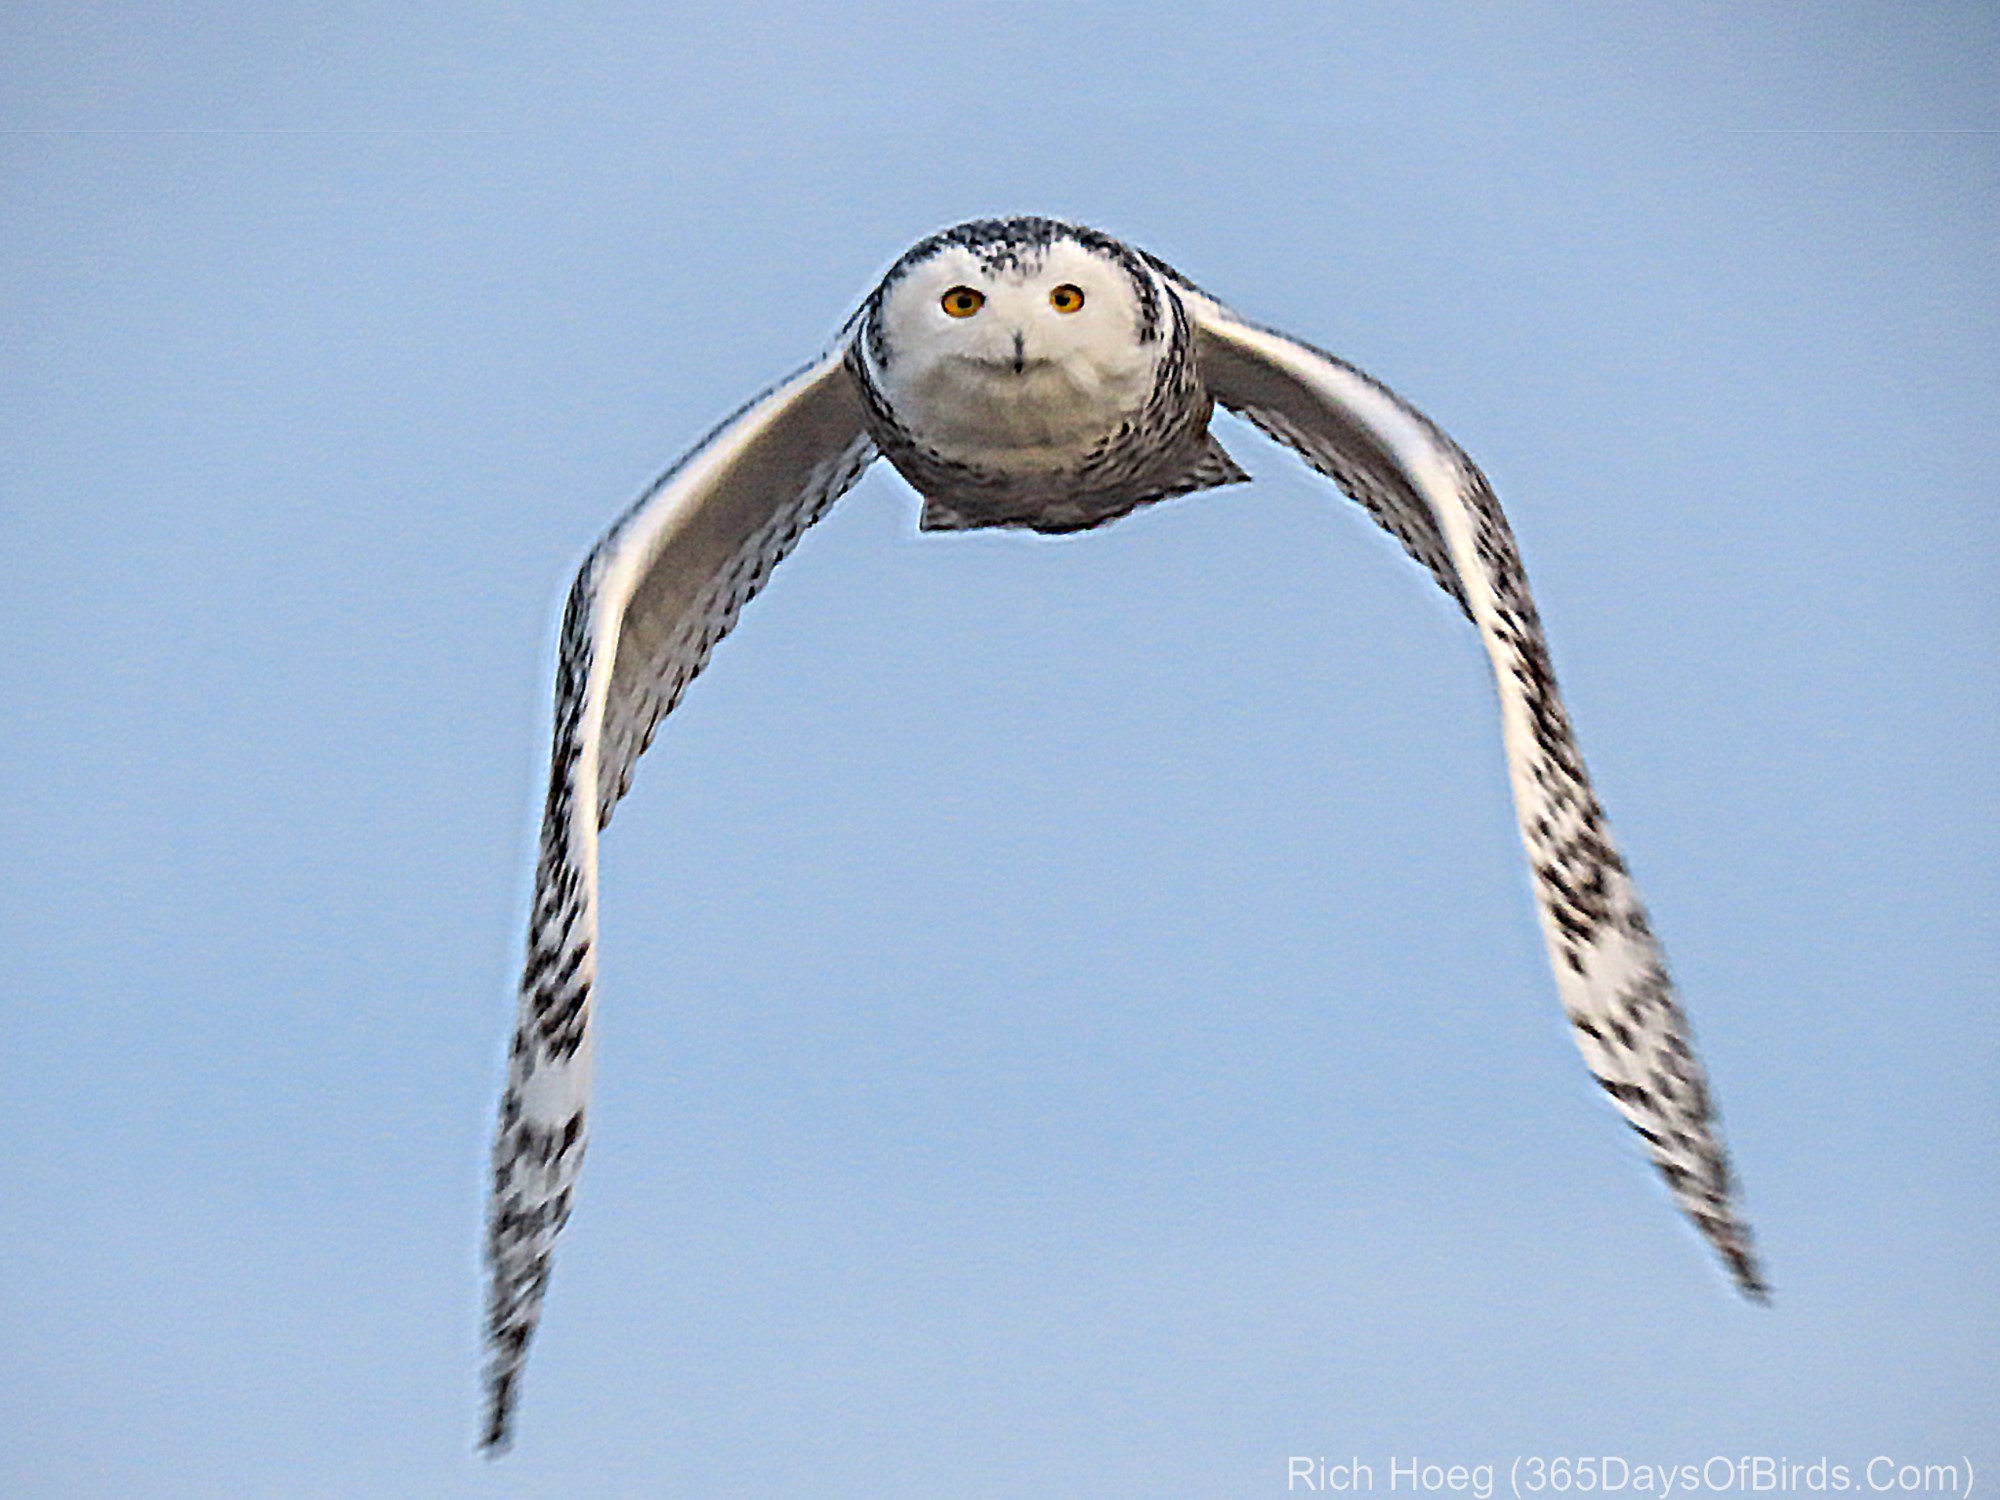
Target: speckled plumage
x=1054 y=421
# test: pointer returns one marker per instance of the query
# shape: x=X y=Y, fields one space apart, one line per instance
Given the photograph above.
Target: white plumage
x=1030 y=373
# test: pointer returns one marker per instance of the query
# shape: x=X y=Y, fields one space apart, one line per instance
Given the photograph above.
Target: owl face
x=1016 y=351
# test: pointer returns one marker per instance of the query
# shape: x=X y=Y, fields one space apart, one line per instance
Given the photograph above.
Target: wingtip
x=498 y=1436
x=1747 y=1274
x=1754 y=1287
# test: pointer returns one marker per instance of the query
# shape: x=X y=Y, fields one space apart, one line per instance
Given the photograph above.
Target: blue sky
x=1072 y=1016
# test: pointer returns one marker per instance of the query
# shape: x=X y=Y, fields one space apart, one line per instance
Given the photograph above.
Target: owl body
x=1034 y=378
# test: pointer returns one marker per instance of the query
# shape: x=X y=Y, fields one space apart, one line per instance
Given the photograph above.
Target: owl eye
x=963 y=301
x=1066 y=298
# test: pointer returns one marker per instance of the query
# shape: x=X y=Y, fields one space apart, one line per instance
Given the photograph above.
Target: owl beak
x=1020 y=351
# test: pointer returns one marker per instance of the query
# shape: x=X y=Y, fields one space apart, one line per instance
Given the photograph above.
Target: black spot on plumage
x=1625 y=1093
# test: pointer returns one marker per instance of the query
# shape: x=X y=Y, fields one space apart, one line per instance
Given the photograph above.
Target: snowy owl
x=1030 y=373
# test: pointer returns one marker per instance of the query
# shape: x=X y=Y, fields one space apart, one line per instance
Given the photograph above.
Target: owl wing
x=1609 y=969
x=650 y=601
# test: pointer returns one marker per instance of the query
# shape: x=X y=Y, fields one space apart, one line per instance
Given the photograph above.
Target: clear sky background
x=1073 y=1021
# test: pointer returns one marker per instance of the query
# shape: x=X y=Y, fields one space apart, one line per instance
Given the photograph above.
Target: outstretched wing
x=1609 y=969
x=651 y=600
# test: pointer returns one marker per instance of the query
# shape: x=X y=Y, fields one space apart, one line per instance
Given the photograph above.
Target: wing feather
x=656 y=593
x=1610 y=971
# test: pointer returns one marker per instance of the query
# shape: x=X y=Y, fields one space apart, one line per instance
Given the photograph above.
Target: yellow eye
x=963 y=301
x=1066 y=298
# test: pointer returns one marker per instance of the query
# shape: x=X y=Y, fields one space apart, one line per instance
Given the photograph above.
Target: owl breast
x=1051 y=442
x=1021 y=413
